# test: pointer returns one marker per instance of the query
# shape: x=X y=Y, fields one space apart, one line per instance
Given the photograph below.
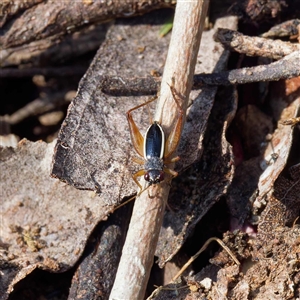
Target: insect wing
x=154 y=142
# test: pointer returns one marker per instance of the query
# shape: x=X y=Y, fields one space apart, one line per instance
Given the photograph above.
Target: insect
x=154 y=148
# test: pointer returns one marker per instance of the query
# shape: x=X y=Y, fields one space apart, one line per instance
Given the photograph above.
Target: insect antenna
x=130 y=199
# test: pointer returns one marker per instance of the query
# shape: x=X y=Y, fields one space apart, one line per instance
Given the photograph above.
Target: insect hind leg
x=174 y=137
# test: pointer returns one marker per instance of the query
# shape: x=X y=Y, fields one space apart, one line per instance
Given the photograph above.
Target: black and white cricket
x=154 y=149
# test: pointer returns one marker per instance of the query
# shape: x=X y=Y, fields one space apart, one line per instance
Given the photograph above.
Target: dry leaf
x=45 y=223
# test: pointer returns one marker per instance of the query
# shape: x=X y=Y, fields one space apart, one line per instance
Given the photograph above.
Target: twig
x=254 y=46
x=192 y=259
x=138 y=252
x=284 y=68
x=288 y=28
x=38 y=106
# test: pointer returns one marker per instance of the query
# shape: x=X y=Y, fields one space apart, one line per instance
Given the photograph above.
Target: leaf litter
x=45 y=223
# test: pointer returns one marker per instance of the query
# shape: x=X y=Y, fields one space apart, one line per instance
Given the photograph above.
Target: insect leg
x=174 y=137
x=136 y=175
x=138 y=160
x=172 y=160
x=171 y=172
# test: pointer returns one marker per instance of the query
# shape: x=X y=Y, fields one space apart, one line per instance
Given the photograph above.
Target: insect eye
x=161 y=176
x=146 y=176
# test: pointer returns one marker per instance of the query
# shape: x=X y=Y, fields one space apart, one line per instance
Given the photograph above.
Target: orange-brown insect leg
x=172 y=160
x=174 y=137
x=135 y=176
x=138 y=160
x=136 y=137
x=171 y=172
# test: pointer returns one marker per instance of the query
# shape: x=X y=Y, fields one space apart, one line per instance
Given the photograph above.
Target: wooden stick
x=138 y=252
x=253 y=45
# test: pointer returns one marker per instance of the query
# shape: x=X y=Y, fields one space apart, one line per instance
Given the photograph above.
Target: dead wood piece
x=285 y=68
x=49 y=51
x=254 y=46
x=285 y=105
x=10 y=8
x=289 y=28
x=95 y=274
x=49 y=18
